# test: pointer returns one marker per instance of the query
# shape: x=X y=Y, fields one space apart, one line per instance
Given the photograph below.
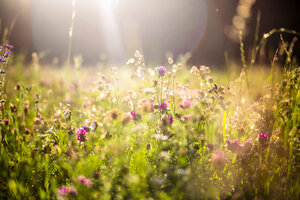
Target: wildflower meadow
x=143 y=131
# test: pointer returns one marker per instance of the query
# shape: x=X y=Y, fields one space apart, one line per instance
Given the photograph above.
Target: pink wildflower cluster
x=85 y=181
x=67 y=190
x=234 y=146
x=86 y=128
x=239 y=147
x=186 y=104
x=81 y=135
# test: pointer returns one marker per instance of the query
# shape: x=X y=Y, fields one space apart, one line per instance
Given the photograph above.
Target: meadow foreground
x=169 y=132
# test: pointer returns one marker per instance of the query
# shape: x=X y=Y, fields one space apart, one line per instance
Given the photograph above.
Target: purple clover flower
x=163 y=106
x=134 y=116
x=132 y=113
x=86 y=128
x=161 y=71
x=81 y=131
x=262 y=138
x=2 y=59
x=7 y=46
x=7 y=54
x=81 y=135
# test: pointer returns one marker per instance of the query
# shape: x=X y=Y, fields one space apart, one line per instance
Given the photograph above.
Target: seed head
x=126 y=117
x=114 y=114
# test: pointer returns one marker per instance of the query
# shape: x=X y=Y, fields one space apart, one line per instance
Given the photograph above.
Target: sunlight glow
x=109 y=4
x=110 y=29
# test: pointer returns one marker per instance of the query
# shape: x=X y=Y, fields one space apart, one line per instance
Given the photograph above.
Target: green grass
x=211 y=149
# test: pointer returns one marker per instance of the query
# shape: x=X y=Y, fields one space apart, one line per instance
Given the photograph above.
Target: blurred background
x=109 y=31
